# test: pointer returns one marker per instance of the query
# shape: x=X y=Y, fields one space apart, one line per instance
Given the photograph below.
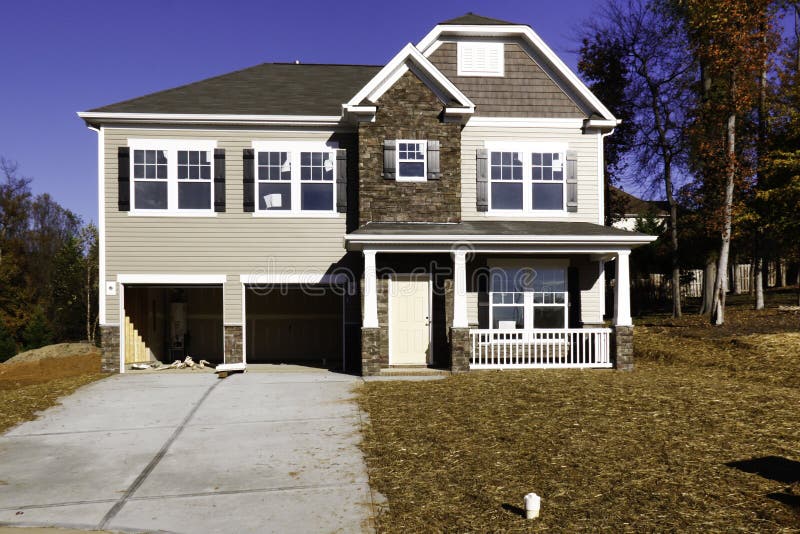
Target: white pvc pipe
x=532 y=505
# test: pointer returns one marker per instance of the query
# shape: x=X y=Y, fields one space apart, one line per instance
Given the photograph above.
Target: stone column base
x=622 y=341
x=234 y=352
x=109 y=348
x=460 y=348
x=372 y=359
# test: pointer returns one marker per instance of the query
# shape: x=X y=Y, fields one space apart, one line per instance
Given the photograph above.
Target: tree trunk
x=758 y=282
x=718 y=307
x=673 y=228
x=709 y=275
x=782 y=273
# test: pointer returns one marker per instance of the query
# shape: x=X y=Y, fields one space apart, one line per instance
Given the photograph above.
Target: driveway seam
x=112 y=513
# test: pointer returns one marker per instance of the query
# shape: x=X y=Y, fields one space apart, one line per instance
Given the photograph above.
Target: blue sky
x=61 y=57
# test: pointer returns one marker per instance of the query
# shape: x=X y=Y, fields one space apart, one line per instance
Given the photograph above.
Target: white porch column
x=622 y=290
x=460 y=290
x=370 y=291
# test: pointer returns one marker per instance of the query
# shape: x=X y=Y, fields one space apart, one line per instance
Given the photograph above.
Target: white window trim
x=171 y=146
x=527 y=296
x=500 y=70
x=294 y=148
x=400 y=178
x=527 y=182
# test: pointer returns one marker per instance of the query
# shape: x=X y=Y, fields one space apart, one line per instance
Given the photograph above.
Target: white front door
x=409 y=322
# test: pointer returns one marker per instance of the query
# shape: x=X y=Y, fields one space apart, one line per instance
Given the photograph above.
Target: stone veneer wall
x=409 y=110
x=460 y=347
x=623 y=348
x=375 y=341
x=109 y=348
x=233 y=344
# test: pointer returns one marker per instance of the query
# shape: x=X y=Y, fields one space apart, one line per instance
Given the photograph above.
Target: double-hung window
x=412 y=165
x=526 y=178
x=295 y=178
x=527 y=297
x=172 y=177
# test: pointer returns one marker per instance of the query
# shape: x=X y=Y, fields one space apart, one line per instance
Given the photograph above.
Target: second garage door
x=294 y=325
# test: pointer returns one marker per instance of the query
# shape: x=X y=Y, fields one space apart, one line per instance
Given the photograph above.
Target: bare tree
x=659 y=75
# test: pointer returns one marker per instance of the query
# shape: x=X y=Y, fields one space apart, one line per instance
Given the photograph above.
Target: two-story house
x=443 y=210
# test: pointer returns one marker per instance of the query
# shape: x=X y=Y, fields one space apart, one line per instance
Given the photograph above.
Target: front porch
x=524 y=295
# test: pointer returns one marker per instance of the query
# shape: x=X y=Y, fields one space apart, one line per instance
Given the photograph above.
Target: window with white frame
x=172 y=176
x=295 y=178
x=527 y=298
x=411 y=160
x=526 y=179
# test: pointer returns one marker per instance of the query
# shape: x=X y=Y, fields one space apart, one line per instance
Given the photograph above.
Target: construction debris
x=187 y=363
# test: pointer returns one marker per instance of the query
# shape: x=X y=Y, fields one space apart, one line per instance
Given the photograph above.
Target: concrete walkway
x=256 y=452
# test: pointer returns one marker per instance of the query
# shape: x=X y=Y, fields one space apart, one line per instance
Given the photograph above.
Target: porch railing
x=540 y=348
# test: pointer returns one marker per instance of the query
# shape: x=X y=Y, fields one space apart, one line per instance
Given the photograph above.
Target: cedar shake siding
x=524 y=91
x=409 y=110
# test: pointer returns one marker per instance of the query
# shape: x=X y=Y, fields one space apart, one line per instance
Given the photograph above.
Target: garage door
x=294 y=325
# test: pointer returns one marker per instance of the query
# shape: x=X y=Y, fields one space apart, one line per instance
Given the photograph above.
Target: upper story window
x=411 y=160
x=526 y=179
x=480 y=58
x=172 y=176
x=295 y=178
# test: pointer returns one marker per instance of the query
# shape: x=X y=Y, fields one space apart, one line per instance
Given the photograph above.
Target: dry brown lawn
x=28 y=387
x=704 y=436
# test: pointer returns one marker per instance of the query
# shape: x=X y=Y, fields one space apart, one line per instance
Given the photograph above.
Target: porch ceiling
x=481 y=234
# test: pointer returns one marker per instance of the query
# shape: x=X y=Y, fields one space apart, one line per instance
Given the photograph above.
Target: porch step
x=414 y=371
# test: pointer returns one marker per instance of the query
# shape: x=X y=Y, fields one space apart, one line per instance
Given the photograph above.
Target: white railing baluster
x=540 y=348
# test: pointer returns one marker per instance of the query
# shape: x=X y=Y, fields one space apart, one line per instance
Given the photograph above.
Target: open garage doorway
x=168 y=323
x=294 y=324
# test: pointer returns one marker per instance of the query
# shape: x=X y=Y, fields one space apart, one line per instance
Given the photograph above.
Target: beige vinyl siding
x=592 y=293
x=230 y=243
x=475 y=137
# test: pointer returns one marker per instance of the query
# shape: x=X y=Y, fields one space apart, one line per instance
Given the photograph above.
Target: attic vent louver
x=480 y=58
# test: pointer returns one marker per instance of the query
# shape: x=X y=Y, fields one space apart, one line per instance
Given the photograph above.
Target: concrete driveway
x=258 y=452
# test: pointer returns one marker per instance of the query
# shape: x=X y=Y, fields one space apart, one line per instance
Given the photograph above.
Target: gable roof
x=472 y=18
x=265 y=89
x=552 y=62
x=409 y=56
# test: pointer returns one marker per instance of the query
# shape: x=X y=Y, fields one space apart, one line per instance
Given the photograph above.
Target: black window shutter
x=124 y=178
x=433 y=160
x=572 y=180
x=248 y=181
x=389 y=159
x=219 y=180
x=482 y=177
x=341 y=180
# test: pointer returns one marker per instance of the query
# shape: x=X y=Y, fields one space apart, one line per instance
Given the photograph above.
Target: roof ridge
x=470 y=18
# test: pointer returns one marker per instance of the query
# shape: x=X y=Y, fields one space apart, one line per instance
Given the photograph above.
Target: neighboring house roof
x=511 y=231
x=472 y=18
x=266 y=89
x=635 y=206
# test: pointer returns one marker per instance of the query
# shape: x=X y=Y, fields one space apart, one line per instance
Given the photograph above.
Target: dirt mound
x=24 y=373
x=61 y=350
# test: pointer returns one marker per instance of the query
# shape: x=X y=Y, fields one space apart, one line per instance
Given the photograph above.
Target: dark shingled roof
x=636 y=206
x=266 y=89
x=472 y=18
x=486 y=228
